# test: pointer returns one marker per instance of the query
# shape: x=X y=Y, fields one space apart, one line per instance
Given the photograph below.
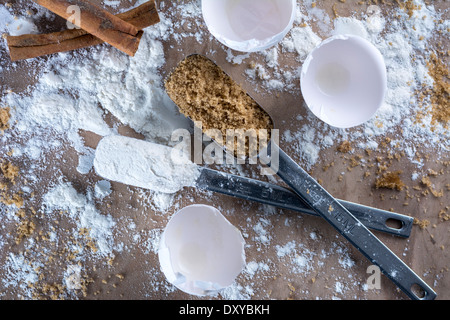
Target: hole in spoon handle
x=347 y=225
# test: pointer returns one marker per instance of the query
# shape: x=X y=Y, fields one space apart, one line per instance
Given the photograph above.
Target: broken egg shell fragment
x=200 y=251
x=344 y=81
x=248 y=25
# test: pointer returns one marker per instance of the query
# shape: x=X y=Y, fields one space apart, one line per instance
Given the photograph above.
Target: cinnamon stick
x=34 y=45
x=98 y=22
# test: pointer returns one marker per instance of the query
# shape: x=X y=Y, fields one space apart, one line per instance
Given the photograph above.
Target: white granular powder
x=144 y=164
x=302 y=40
x=102 y=189
x=19 y=273
x=82 y=210
x=15 y=26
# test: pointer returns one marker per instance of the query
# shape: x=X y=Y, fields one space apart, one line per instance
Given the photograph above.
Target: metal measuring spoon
x=280 y=197
x=109 y=154
x=329 y=208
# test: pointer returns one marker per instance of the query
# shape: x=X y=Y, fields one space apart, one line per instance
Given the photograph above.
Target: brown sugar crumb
x=345 y=147
x=327 y=166
x=421 y=223
x=205 y=93
x=427 y=183
x=336 y=14
x=4 y=118
x=390 y=180
x=89 y=241
x=24 y=230
x=15 y=199
x=440 y=93
x=444 y=215
x=55 y=291
x=9 y=171
x=120 y=276
x=409 y=6
x=355 y=161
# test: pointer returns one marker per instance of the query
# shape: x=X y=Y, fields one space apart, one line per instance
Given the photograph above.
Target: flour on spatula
x=144 y=164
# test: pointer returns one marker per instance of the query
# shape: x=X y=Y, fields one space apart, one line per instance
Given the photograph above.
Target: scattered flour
x=299 y=256
x=301 y=40
x=14 y=25
x=102 y=189
x=19 y=273
x=347 y=25
x=81 y=209
x=79 y=95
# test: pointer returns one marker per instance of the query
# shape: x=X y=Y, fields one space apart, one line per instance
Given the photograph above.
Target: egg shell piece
x=249 y=25
x=344 y=81
x=201 y=252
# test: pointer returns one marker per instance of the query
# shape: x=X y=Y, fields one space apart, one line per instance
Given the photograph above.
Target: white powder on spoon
x=403 y=44
x=144 y=164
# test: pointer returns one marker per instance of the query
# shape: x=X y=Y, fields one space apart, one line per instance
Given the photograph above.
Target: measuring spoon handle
x=280 y=197
x=347 y=225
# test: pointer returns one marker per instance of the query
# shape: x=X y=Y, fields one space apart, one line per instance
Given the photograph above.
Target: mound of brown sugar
x=204 y=92
x=390 y=180
x=345 y=147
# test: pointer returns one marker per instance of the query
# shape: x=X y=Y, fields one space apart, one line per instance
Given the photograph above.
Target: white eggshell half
x=249 y=25
x=344 y=81
x=200 y=251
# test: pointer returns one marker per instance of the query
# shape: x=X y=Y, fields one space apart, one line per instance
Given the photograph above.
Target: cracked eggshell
x=344 y=81
x=249 y=25
x=200 y=251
